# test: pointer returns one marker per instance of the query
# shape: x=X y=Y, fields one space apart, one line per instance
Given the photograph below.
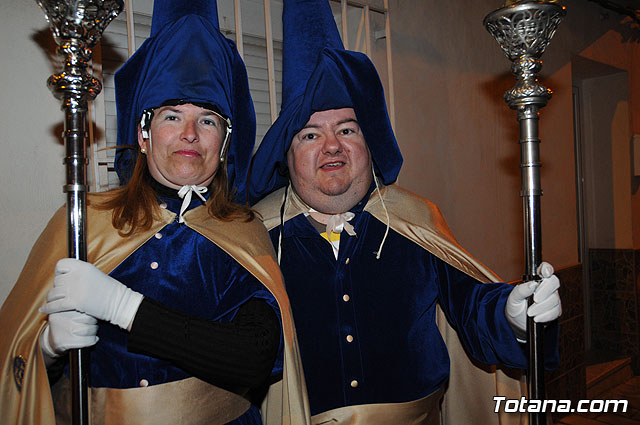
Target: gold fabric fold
x=471 y=387
x=424 y=411
x=25 y=396
x=188 y=401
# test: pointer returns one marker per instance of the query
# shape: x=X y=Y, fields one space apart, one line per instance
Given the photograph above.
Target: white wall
x=31 y=169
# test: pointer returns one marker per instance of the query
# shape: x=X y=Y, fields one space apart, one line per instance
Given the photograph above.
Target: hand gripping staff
x=77 y=25
x=524 y=29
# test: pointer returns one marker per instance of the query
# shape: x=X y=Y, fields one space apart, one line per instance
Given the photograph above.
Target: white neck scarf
x=336 y=224
x=185 y=193
x=339 y=222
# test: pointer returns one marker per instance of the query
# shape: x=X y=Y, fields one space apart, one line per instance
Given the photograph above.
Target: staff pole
x=77 y=26
x=523 y=29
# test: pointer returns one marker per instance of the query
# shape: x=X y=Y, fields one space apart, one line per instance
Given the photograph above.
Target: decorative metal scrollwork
x=523 y=31
x=77 y=26
x=84 y=20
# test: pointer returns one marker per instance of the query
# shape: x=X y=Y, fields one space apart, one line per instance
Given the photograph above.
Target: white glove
x=80 y=286
x=546 y=306
x=67 y=330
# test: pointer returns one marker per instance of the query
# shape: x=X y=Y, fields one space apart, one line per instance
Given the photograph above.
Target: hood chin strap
x=386 y=213
x=185 y=193
x=337 y=222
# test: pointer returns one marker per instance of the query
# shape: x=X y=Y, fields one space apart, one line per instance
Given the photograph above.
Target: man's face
x=329 y=162
x=185 y=147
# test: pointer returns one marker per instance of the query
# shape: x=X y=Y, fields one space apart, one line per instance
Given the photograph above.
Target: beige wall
x=458 y=137
x=607 y=149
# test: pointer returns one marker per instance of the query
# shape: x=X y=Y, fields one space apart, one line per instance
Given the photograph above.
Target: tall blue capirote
x=319 y=74
x=186 y=58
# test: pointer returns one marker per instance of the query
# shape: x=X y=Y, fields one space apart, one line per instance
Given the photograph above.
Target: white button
x=144 y=383
x=163 y=205
x=154 y=265
x=158 y=235
x=354 y=383
x=346 y=298
x=349 y=338
x=346 y=261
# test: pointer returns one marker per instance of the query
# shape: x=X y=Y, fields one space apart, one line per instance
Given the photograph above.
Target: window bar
x=238 y=17
x=359 y=33
x=270 y=63
x=92 y=144
x=367 y=31
x=98 y=165
x=387 y=31
x=361 y=4
x=345 y=24
x=131 y=32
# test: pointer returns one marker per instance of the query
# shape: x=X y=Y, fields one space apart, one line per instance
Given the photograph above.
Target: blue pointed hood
x=186 y=58
x=319 y=74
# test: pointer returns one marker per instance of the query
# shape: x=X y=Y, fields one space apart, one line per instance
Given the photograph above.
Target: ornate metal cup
x=77 y=26
x=524 y=31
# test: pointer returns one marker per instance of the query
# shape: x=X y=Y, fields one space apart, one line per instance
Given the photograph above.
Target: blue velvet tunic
x=366 y=327
x=184 y=270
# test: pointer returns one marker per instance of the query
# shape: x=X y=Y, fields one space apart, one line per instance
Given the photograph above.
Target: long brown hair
x=135 y=205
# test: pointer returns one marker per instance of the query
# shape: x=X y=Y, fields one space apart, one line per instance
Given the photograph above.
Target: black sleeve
x=236 y=355
x=56 y=370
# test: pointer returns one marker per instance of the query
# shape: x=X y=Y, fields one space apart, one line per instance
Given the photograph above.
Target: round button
x=158 y=235
x=346 y=261
x=349 y=338
x=163 y=205
x=154 y=265
x=354 y=383
x=144 y=383
x=346 y=297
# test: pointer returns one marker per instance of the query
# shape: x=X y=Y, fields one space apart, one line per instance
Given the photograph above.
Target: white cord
x=386 y=232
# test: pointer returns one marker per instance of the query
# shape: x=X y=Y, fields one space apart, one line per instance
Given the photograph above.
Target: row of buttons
x=349 y=338
x=154 y=265
x=346 y=297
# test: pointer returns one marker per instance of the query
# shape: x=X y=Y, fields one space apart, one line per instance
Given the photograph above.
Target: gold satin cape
x=22 y=324
x=471 y=387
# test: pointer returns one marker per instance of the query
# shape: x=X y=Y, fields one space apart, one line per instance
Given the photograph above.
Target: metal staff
x=77 y=25
x=523 y=29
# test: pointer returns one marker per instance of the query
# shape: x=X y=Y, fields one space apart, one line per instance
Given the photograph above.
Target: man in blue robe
x=366 y=262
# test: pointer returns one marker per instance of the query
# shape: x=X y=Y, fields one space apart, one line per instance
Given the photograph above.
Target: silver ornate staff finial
x=524 y=29
x=77 y=26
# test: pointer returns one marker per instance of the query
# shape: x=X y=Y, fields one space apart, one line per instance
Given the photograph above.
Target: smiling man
x=329 y=161
x=369 y=266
